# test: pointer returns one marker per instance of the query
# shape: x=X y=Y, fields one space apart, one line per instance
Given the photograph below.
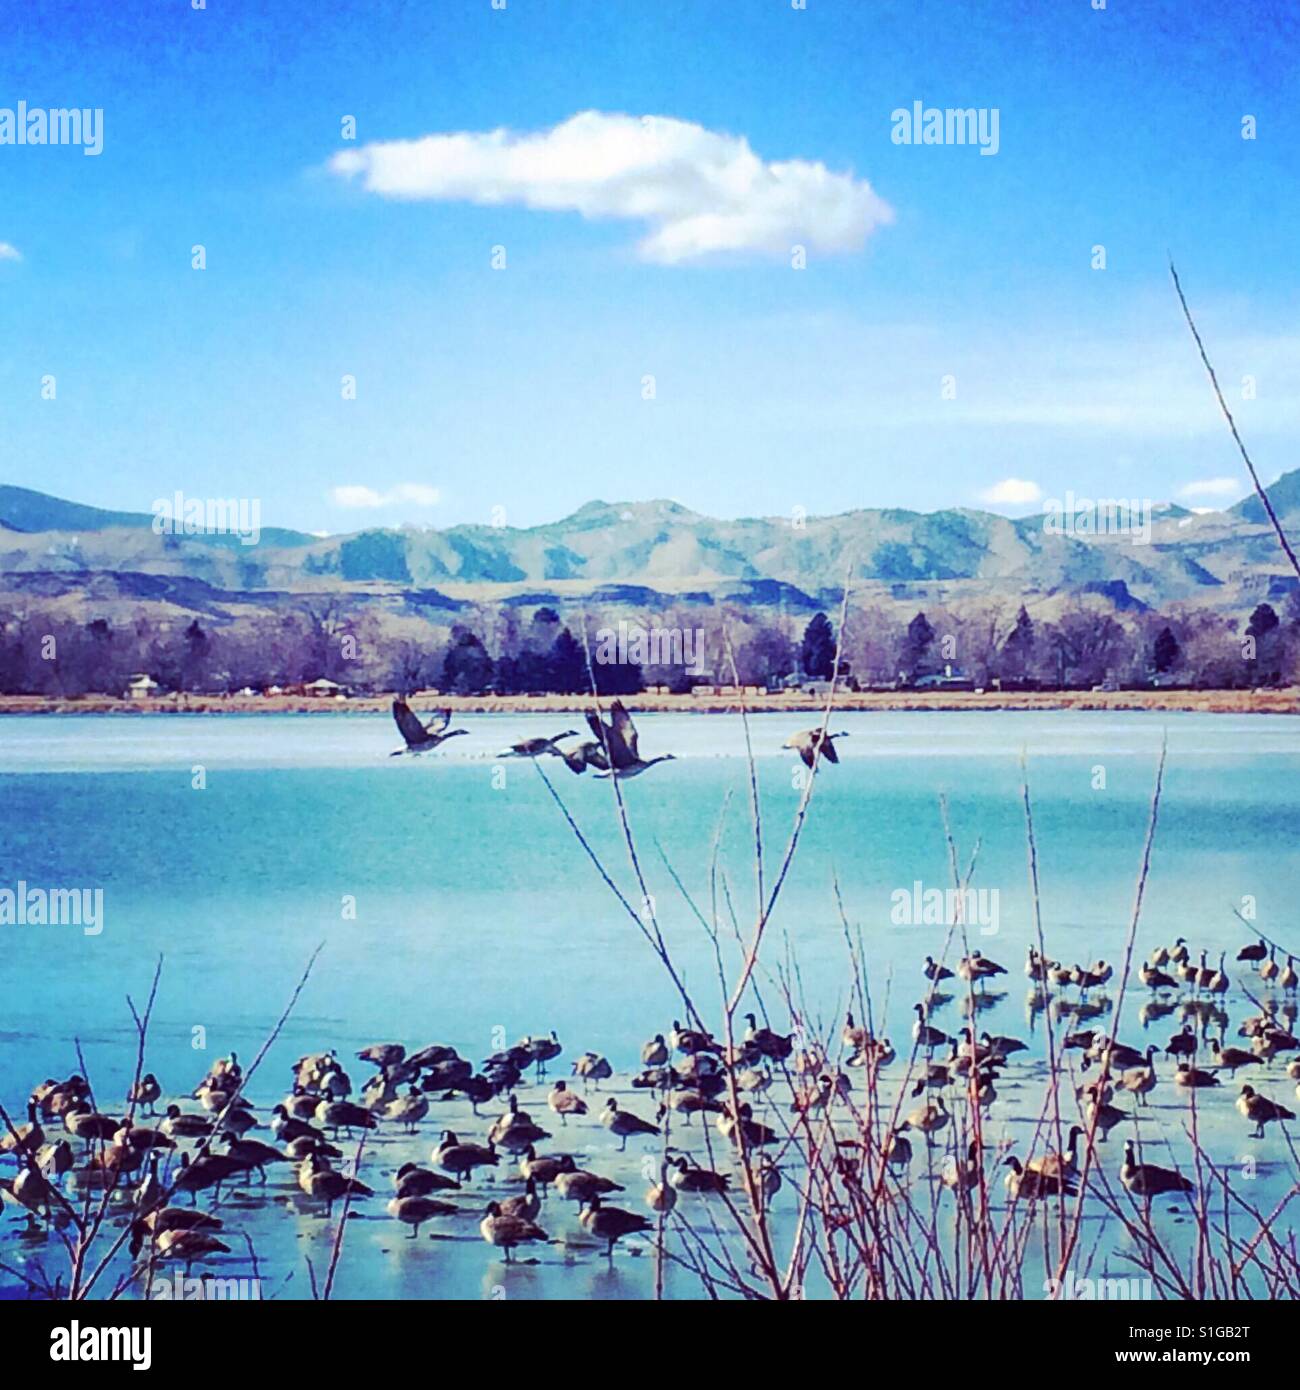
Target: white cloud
x=356 y=496
x=1213 y=487
x=9 y=252
x=1014 y=492
x=699 y=191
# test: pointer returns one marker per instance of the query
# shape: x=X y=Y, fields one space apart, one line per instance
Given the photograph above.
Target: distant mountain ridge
x=657 y=551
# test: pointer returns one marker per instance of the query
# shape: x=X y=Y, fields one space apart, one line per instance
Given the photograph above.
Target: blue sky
x=522 y=388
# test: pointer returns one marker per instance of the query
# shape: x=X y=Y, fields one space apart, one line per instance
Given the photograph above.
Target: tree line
x=496 y=649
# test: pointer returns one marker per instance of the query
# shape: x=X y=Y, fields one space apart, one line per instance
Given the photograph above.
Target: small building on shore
x=141 y=687
x=323 y=689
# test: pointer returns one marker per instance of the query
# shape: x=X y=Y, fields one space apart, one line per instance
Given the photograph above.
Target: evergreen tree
x=1166 y=650
x=566 y=667
x=817 y=655
x=467 y=668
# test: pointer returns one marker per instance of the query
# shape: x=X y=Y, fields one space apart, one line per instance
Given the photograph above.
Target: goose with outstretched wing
x=421 y=738
x=618 y=739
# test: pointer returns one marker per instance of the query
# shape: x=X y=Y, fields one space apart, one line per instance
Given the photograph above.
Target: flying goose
x=587 y=754
x=624 y=1123
x=1149 y=1179
x=618 y=739
x=421 y=738
x=812 y=743
x=611 y=1224
x=414 y=1211
x=536 y=747
x=1260 y=1111
x=506 y=1232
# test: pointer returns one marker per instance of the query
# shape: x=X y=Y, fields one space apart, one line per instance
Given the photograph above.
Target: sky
x=557 y=257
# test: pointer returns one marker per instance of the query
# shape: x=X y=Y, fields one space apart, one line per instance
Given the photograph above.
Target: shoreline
x=1283 y=701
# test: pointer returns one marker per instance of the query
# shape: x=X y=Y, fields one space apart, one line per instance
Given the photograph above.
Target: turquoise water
x=478 y=917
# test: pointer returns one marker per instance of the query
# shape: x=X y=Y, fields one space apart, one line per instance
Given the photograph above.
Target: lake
x=455 y=905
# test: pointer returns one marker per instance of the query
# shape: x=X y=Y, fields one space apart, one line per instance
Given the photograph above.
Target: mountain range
x=647 y=554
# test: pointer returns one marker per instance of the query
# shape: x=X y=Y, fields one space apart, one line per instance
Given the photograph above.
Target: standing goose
x=928 y=1037
x=1232 y=1057
x=1204 y=975
x=655 y=1052
x=536 y=747
x=421 y=738
x=686 y=1175
x=1260 y=1111
x=506 y=1232
x=928 y=1119
x=1155 y=979
x=976 y=967
x=661 y=1197
x=733 y=1127
x=1032 y=1185
x=527 y=1204
x=578 y=1185
x=619 y=741
x=146 y=1092
x=812 y=744
x=408 y=1110
x=936 y=972
x=1141 y=1081
x=1054 y=1165
x=461 y=1159
x=415 y=1211
x=611 y=1224
x=565 y=1103
x=592 y=1067
x=624 y=1123
x=1103 y=1117
x=1289 y=978
x=26 y=1138
x=1149 y=1180
x=1178 y=952
x=1188 y=972
x=318 y=1180
x=1254 y=953
x=411 y=1180
x=1270 y=970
